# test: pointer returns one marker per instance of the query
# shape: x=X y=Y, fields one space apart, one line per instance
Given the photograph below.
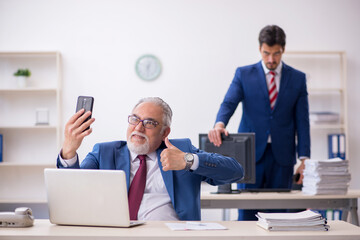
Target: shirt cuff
x=196 y=162
x=220 y=122
x=68 y=162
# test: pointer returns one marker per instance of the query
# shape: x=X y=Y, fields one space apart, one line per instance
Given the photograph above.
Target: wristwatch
x=189 y=159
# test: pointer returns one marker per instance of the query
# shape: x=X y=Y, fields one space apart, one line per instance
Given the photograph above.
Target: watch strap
x=189 y=163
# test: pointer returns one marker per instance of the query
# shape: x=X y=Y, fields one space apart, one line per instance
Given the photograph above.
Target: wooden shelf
x=28 y=89
x=29 y=127
x=321 y=91
x=32 y=164
x=326 y=81
x=27 y=54
x=315 y=126
x=30 y=201
x=314 y=53
x=29 y=148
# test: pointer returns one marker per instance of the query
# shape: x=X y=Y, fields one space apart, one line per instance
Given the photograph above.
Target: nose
x=139 y=127
x=271 y=58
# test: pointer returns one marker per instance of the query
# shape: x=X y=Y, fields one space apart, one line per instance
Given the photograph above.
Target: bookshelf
x=28 y=148
x=326 y=81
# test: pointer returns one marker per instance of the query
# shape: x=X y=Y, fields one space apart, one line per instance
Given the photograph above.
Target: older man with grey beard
x=163 y=176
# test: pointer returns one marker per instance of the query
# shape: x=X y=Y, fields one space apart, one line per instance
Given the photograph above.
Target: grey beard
x=138 y=149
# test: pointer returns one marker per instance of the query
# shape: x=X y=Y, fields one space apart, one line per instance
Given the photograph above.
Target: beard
x=271 y=66
x=139 y=149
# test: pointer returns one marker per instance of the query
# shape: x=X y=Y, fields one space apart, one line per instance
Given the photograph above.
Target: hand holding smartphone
x=87 y=103
x=73 y=138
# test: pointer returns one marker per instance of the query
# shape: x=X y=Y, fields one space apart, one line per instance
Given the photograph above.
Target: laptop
x=88 y=197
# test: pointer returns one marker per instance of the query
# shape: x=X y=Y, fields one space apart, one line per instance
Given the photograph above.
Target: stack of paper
x=326 y=176
x=324 y=117
x=300 y=221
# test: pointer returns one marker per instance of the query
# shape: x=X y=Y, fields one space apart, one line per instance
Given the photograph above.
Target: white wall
x=199 y=42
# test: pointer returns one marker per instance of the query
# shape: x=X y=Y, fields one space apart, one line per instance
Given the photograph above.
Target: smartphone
x=87 y=103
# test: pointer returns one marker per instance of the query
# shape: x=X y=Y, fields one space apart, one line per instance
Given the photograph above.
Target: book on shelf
x=336 y=145
x=336 y=214
x=330 y=214
x=1 y=147
x=301 y=221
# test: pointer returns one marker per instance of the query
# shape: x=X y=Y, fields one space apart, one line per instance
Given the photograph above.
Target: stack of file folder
x=300 y=221
x=326 y=177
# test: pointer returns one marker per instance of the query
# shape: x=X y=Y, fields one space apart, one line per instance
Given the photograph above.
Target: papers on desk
x=326 y=177
x=195 y=226
x=301 y=221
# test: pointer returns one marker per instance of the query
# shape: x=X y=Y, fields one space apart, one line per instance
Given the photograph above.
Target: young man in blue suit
x=174 y=168
x=275 y=106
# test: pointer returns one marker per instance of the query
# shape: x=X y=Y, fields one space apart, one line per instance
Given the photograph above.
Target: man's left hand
x=300 y=170
x=172 y=158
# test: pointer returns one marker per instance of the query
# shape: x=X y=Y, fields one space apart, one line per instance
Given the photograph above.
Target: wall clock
x=148 y=67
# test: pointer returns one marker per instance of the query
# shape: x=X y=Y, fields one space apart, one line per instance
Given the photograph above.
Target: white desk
x=43 y=229
x=290 y=200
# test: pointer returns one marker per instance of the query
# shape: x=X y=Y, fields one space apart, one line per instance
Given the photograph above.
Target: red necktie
x=273 y=93
x=137 y=187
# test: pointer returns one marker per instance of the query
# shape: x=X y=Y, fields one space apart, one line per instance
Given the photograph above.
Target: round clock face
x=148 y=67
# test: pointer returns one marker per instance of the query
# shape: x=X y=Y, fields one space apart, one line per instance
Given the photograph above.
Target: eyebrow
x=151 y=119
x=272 y=53
x=145 y=118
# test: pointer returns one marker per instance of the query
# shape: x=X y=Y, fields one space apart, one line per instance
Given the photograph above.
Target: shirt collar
x=277 y=70
x=133 y=156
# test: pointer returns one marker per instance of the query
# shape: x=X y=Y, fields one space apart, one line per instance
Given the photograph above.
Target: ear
x=166 y=133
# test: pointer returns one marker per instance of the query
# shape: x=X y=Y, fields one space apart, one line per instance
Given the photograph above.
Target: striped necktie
x=273 y=93
x=137 y=187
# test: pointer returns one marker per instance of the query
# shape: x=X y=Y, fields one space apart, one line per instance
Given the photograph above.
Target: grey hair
x=161 y=103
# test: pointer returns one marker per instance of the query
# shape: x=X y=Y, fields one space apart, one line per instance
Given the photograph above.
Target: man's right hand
x=215 y=134
x=74 y=133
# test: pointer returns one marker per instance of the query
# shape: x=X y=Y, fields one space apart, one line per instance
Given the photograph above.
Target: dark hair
x=272 y=35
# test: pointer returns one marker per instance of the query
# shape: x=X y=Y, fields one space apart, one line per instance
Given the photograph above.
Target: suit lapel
x=168 y=175
x=122 y=161
x=284 y=81
x=262 y=81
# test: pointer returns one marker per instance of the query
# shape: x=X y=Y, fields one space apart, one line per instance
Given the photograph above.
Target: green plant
x=23 y=72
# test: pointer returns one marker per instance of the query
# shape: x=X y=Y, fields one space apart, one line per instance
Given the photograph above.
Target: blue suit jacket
x=183 y=186
x=290 y=116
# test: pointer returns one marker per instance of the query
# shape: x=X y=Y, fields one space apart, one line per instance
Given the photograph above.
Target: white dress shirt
x=269 y=76
x=156 y=203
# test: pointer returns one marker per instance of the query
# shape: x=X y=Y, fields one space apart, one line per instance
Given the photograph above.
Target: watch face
x=148 y=67
x=189 y=157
